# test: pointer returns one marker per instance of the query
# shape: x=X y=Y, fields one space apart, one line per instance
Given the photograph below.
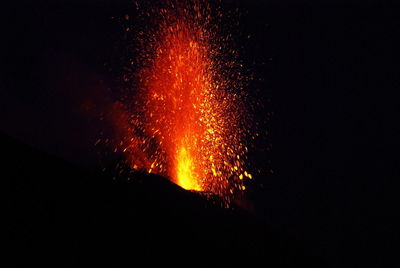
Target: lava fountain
x=186 y=118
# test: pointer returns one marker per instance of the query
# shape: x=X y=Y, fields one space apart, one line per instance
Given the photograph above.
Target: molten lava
x=187 y=116
x=186 y=177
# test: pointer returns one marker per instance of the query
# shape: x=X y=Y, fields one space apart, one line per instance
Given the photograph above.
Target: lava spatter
x=187 y=118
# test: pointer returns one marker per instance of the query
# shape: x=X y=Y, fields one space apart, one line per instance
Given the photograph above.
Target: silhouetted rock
x=61 y=215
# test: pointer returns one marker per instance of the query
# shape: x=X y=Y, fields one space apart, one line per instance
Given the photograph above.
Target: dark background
x=329 y=180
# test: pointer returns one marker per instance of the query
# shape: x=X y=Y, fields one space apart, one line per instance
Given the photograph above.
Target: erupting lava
x=187 y=118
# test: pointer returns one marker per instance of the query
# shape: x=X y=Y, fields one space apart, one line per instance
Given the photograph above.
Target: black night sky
x=326 y=198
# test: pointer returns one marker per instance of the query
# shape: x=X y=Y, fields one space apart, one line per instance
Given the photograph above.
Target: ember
x=187 y=119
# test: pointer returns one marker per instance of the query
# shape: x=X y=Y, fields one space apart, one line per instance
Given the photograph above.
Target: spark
x=187 y=119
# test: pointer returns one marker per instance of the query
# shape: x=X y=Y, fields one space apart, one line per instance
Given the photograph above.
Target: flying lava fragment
x=185 y=116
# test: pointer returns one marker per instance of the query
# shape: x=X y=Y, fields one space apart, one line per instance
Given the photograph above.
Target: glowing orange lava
x=178 y=89
x=185 y=174
x=188 y=116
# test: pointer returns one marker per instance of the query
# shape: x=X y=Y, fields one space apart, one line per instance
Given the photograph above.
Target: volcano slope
x=59 y=215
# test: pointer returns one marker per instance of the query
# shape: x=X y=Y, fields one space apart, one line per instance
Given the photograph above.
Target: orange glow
x=185 y=174
x=188 y=120
x=178 y=87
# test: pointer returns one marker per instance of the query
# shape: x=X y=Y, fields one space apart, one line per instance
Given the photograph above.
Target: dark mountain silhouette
x=61 y=215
